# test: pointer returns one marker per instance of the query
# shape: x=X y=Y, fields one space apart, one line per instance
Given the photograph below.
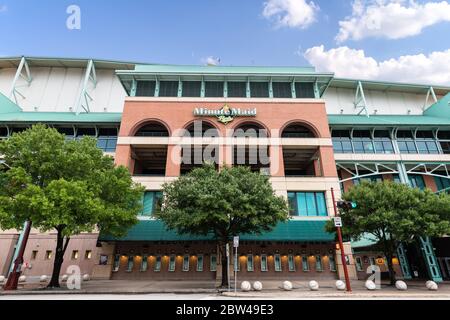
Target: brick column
x=173 y=162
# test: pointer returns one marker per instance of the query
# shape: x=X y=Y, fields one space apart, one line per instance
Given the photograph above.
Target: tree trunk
x=59 y=259
x=224 y=262
x=389 y=253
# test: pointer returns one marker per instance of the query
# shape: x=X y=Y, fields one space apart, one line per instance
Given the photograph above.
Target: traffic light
x=346 y=205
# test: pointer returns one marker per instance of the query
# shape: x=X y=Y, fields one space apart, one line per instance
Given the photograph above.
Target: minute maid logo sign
x=226 y=114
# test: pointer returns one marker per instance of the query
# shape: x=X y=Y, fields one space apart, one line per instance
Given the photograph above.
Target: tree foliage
x=394 y=213
x=64 y=185
x=222 y=204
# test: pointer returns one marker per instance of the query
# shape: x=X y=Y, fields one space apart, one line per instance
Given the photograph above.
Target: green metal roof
x=440 y=108
x=60 y=117
x=388 y=120
x=294 y=230
x=7 y=106
x=366 y=240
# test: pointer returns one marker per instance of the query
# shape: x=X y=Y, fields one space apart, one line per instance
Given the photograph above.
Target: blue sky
x=240 y=32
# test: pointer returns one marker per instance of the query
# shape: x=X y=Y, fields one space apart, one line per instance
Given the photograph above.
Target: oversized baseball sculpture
x=340 y=285
x=313 y=285
x=370 y=285
x=257 y=286
x=401 y=285
x=287 y=285
x=246 y=286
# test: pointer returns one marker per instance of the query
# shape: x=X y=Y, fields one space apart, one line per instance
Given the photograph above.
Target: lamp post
x=341 y=246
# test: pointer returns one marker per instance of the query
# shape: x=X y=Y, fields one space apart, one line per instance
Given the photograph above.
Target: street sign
x=338 y=222
x=236 y=242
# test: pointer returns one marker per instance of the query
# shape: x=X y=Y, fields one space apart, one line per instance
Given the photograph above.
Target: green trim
x=7 y=106
x=294 y=230
x=387 y=120
x=61 y=117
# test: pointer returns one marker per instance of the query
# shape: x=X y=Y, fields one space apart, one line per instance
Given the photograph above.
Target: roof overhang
x=13 y=62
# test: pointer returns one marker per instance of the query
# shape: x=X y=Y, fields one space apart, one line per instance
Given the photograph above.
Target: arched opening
x=194 y=156
x=300 y=161
x=297 y=130
x=250 y=129
x=150 y=160
x=256 y=157
x=152 y=129
x=200 y=128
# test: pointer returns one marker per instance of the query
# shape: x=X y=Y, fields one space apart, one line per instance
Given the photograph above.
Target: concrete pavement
x=195 y=289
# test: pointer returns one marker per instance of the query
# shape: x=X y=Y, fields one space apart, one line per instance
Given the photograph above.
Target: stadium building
x=317 y=132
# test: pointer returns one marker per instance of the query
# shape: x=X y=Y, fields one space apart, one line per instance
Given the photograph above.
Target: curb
x=88 y=292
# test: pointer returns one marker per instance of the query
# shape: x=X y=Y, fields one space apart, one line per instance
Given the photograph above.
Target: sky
x=393 y=40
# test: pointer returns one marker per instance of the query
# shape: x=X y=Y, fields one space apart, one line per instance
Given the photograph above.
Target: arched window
x=297 y=130
x=152 y=129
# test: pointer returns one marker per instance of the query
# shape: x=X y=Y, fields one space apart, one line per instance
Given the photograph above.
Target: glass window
x=213 y=263
x=213 y=89
x=168 y=88
x=157 y=267
x=88 y=254
x=237 y=89
x=341 y=141
x=250 y=263
x=304 y=90
x=445 y=146
x=332 y=262
x=405 y=141
x=75 y=254
x=359 y=265
x=442 y=183
x=144 y=263
x=362 y=142
x=291 y=263
x=186 y=263
x=307 y=204
x=237 y=264
x=116 y=263
x=263 y=263
x=145 y=88
x=192 y=88
x=259 y=89
x=277 y=261
x=305 y=263
x=172 y=263
x=151 y=202
x=107 y=139
x=382 y=142
x=130 y=263
x=90 y=132
x=48 y=255
x=319 y=266
x=200 y=262
x=417 y=181
x=281 y=89
x=34 y=254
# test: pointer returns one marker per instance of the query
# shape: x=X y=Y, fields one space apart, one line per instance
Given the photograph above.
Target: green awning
x=61 y=117
x=294 y=230
x=387 y=120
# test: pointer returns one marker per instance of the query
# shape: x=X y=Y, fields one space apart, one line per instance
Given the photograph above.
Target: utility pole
x=13 y=278
x=341 y=245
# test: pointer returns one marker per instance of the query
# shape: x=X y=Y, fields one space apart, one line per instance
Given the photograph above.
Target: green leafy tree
x=394 y=213
x=222 y=204
x=64 y=185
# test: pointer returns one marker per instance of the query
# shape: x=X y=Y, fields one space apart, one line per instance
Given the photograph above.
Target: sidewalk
x=271 y=290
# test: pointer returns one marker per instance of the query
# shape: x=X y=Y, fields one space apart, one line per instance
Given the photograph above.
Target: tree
x=64 y=185
x=394 y=213
x=222 y=204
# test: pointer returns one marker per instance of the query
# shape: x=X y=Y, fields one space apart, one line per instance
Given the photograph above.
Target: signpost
x=235 y=245
x=228 y=265
x=338 y=222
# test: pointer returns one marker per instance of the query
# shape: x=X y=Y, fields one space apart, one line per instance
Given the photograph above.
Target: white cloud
x=345 y=62
x=392 y=19
x=291 y=13
x=211 y=61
